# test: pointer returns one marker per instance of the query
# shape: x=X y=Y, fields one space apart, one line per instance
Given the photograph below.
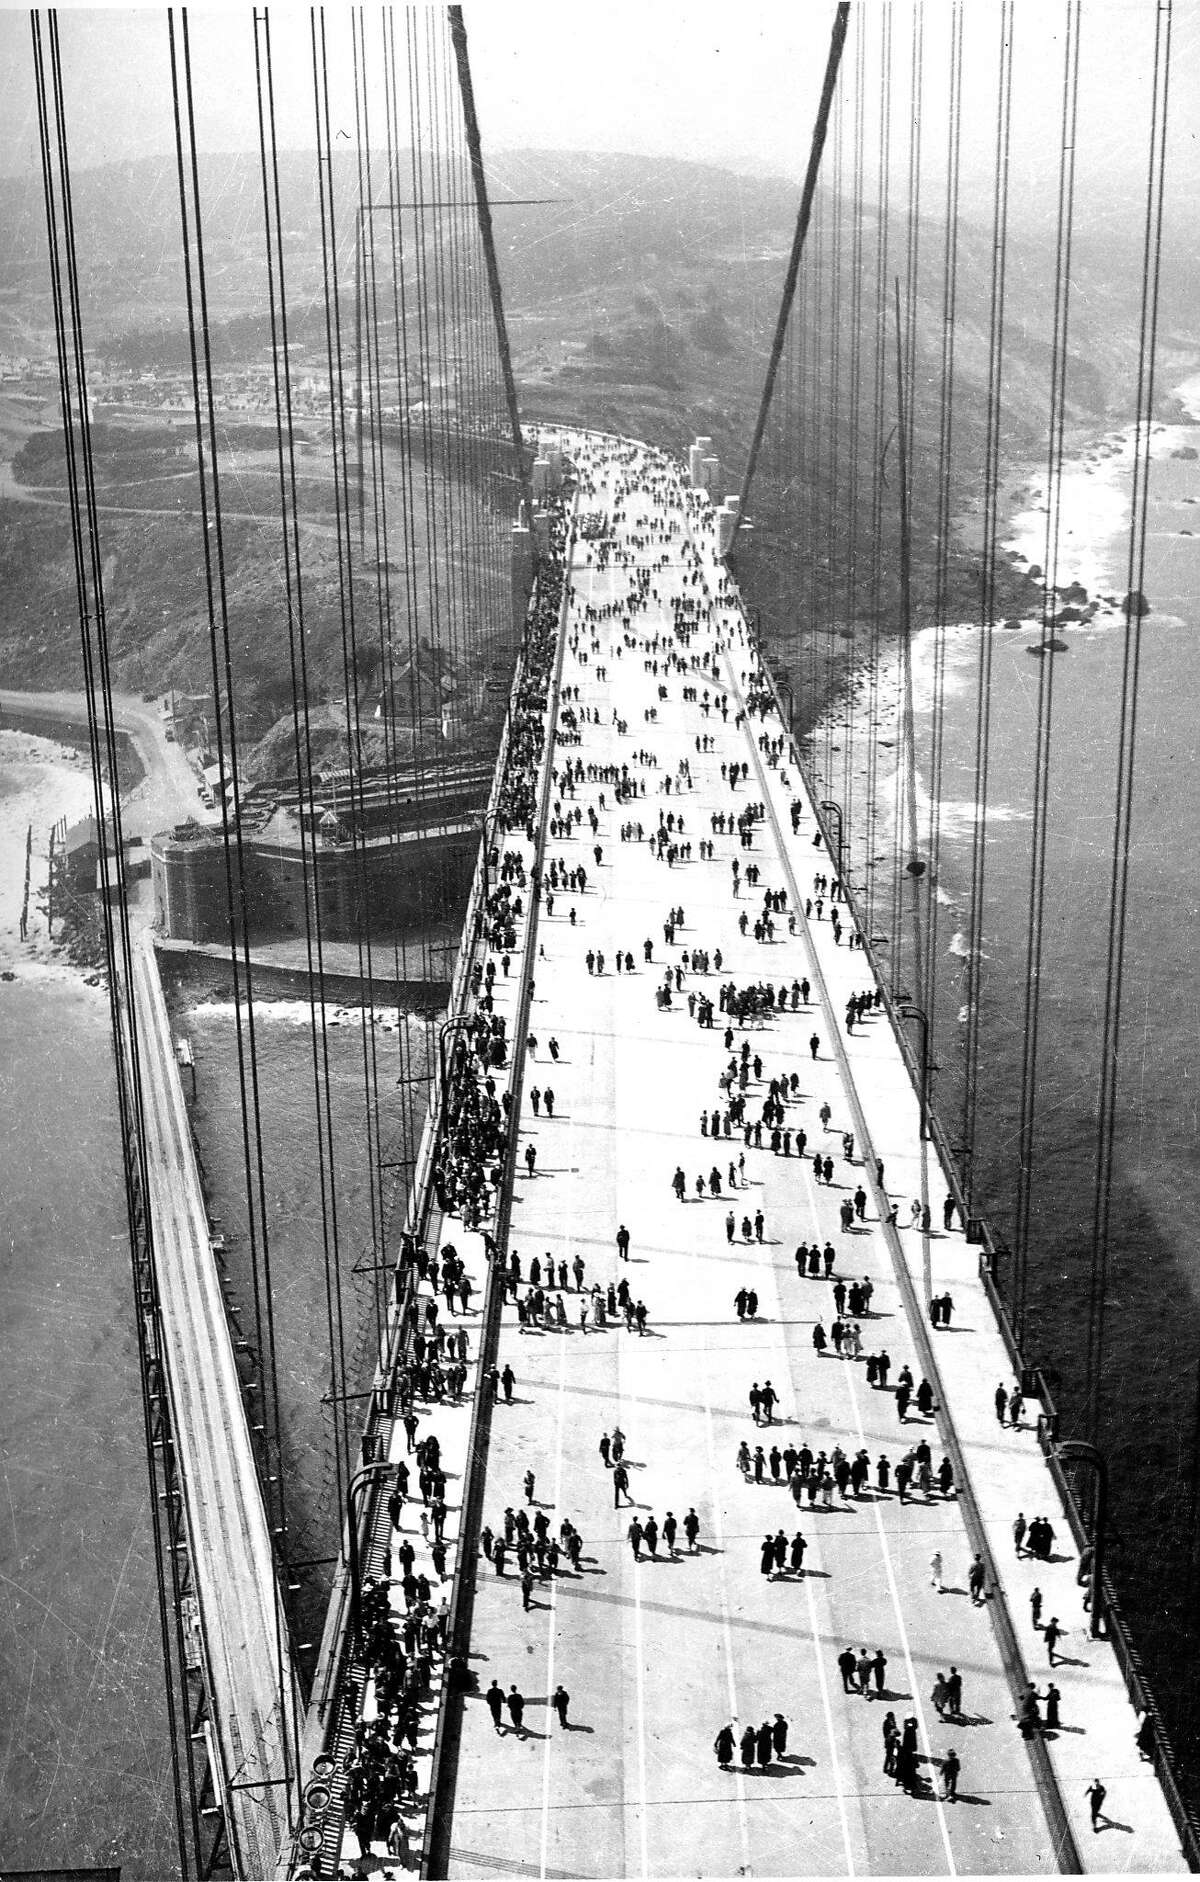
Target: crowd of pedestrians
x=759 y=1106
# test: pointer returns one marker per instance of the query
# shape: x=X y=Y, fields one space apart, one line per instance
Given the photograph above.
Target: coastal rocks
x=1135 y=604
x=1186 y=451
x=1047 y=646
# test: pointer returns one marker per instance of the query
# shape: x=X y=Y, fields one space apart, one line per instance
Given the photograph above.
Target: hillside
x=640 y=297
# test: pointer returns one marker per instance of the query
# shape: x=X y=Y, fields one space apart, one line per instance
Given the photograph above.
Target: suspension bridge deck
x=658 y=1653
x=242 y=1627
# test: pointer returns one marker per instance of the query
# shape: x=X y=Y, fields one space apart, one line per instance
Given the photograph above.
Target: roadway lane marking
x=548 y=1751
x=895 y=1594
x=833 y=1757
x=726 y=1630
x=842 y=1081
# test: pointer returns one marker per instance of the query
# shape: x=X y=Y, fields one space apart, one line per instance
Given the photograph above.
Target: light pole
x=454 y=1024
x=785 y=686
x=360 y=1477
x=909 y=1011
x=1085 y=1453
x=835 y=810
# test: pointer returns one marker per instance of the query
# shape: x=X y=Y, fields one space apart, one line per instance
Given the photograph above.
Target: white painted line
x=833 y=1757
x=548 y=1751
x=718 y=1530
x=895 y=1594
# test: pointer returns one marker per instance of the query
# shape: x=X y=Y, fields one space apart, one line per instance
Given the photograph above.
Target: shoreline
x=41 y=782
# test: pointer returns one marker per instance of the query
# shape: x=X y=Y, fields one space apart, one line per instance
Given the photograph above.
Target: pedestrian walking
x=516 y=1710
x=1052 y=1635
x=495 y=1705
x=935 y=1570
x=951 y=1767
x=560 y=1700
x=1019 y=1532
x=1035 y=1607
x=976 y=1581
x=1095 y=1794
x=723 y=1745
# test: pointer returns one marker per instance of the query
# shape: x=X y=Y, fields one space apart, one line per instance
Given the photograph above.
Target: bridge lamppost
x=835 y=810
x=1079 y=1449
x=785 y=686
x=907 y=1010
x=354 y=1561
x=454 y=1024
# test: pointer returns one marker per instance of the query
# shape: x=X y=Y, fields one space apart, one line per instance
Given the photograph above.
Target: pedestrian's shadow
x=798 y=1759
x=570 y=1726
x=1111 y=1823
x=967 y=1718
x=1063 y=1659
x=966 y=1797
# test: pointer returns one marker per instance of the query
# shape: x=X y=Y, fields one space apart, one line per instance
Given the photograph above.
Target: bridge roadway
x=658 y=1654
x=244 y=1629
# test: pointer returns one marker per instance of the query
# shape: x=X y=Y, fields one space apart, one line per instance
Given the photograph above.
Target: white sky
x=730 y=83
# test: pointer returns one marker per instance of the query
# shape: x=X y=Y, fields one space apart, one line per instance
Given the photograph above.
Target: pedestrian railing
x=337 y=1694
x=436 y=1853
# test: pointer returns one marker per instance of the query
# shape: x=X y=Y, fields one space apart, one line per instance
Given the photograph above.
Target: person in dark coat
x=765 y=1746
x=779 y=1734
x=951 y=1766
x=495 y=1704
x=723 y=1746
x=516 y=1710
x=768 y=1557
x=747 y=1746
x=906 y=1757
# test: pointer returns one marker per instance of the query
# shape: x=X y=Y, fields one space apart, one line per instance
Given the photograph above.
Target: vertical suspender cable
x=1127 y=749
x=1026 y=1163
x=983 y=696
x=837 y=41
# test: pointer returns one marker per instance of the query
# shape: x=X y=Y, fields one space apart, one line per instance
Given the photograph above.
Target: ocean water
x=84 y=1756
x=1151 y=1353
